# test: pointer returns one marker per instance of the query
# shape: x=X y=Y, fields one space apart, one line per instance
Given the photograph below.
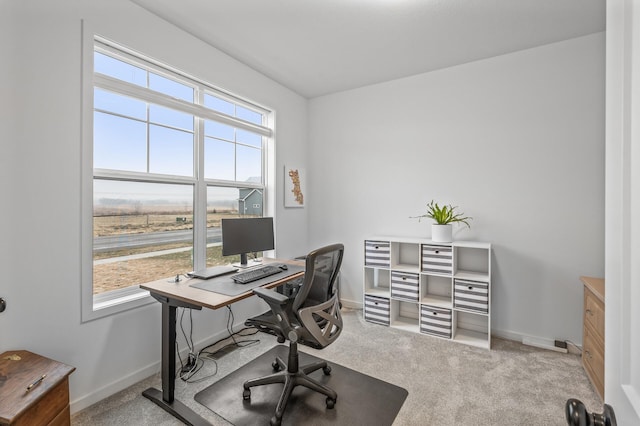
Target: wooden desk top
x=596 y=285
x=182 y=291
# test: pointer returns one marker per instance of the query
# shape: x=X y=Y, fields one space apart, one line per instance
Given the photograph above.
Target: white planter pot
x=442 y=233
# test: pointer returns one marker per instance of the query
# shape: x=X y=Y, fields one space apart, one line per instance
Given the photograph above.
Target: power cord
x=578 y=348
x=193 y=363
x=232 y=336
x=195 y=360
x=177 y=278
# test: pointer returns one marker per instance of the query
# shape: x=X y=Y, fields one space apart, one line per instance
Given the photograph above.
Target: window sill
x=115 y=302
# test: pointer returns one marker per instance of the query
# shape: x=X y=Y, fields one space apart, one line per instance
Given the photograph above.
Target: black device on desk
x=258 y=273
x=246 y=235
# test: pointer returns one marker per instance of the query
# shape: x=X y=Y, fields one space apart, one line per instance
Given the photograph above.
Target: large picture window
x=171 y=156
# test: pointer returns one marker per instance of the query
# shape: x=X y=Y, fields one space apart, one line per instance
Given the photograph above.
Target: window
x=171 y=156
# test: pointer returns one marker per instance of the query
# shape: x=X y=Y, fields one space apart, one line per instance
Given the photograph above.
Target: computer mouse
x=283 y=267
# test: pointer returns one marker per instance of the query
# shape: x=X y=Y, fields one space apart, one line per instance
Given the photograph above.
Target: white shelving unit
x=427 y=287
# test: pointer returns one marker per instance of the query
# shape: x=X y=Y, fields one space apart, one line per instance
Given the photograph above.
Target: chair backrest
x=316 y=304
x=320 y=277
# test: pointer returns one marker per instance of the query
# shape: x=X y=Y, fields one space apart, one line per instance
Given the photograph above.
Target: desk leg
x=165 y=399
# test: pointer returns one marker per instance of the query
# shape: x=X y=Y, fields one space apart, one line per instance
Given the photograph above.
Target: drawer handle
x=589 y=312
x=587 y=353
x=404 y=278
x=437 y=251
x=435 y=313
x=377 y=247
x=470 y=287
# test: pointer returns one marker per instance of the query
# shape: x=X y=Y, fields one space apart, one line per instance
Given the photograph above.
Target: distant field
x=106 y=225
x=125 y=273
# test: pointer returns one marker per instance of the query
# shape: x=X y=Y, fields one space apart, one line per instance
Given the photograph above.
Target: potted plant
x=444 y=216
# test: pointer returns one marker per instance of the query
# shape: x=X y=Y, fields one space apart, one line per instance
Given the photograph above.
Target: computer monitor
x=246 y=235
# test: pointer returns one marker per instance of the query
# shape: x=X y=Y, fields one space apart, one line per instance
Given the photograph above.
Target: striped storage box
x=471 y=295
x=404 y=286
x=376 y=253
x=436 y=321
x=437 y=259
x=376 y=309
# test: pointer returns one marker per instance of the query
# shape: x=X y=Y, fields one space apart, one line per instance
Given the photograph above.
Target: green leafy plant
x=444 y=215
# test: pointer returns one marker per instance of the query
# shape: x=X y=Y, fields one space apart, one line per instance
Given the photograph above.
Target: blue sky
x=135 y=136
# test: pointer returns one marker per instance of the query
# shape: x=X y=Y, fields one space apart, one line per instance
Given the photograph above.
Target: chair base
x=291 y=379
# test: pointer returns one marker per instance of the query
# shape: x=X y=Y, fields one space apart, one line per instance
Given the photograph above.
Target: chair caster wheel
x=331 y=403
x=326 y=370
x=246 y=394
x=275 y=421
x=275 y=366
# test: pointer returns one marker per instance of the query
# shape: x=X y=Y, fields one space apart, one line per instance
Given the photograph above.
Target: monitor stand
x=244 y=263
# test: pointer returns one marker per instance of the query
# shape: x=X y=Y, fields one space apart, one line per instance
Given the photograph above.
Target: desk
x=181 y=295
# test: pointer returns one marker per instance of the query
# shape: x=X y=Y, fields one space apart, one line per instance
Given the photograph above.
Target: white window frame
x=101 y=305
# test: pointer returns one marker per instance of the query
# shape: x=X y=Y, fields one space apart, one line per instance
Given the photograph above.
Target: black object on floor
x=362 y=400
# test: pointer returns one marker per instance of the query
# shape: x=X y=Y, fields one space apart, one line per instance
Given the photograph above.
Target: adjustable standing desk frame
x=181 y=295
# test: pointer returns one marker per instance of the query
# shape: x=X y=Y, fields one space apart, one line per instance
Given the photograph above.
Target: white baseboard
x=525 y=339
x=543 y=343
x=539 y=342
x=351 y=304
x=122 y=383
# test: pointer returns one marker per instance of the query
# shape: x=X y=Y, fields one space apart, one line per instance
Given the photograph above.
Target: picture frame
x=294 y=187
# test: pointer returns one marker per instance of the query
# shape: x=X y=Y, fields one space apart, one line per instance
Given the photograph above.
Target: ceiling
x=316 y=47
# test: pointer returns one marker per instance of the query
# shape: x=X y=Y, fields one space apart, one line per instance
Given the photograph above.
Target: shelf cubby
x=377 y=281
x=405 y=256
x=405 y=316
x=435 y=290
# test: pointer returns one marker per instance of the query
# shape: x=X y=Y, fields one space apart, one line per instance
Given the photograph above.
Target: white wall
x=517 y=141
x=41 y=146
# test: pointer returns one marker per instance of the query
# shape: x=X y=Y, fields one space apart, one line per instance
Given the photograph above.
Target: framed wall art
x=294 y=187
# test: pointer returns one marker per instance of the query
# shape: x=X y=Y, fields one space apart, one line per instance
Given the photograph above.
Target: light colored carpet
x=448 y=383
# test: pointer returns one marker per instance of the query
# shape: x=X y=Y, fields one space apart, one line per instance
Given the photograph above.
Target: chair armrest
x=271 y=296
x=278 y=303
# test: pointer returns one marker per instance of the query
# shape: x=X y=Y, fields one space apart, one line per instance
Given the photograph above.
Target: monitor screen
x=246 y=235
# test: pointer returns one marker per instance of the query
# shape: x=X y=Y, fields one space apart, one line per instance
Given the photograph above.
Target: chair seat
x=266 y=323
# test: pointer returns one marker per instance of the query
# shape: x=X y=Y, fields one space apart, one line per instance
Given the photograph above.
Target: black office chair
x=311 y=318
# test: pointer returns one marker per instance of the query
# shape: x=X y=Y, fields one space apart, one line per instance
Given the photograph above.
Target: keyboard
x=255 y=274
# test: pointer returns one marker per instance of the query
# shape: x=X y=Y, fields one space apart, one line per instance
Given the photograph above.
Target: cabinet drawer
x=593 y=359
x=376 y=309
x=471 y=295
x=48 y=409
x=594 y=314
x=435 y=321
x=437 y=259
x=377 y=253
x=404 y=286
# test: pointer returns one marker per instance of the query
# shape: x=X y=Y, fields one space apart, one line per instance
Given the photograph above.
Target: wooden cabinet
x=593 y=332
x=34 y=390
x=427 y=287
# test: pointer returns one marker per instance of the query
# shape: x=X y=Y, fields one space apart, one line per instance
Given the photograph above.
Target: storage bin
x=377 y=253
x=404 y=286
x=438 y=259
x=471 y=295
x=435 y=321
x=376 y=309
